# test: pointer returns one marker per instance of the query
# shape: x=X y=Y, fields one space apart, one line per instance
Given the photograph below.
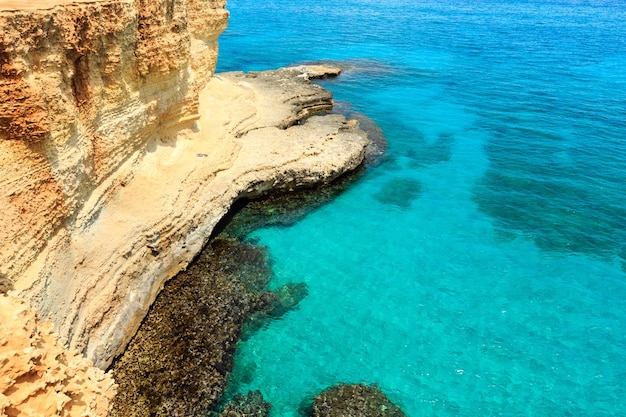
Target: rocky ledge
x=97 y=279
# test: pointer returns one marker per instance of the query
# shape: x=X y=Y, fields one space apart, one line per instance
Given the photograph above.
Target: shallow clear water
x=481 y=268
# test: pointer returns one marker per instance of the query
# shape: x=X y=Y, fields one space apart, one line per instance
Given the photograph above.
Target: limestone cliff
x=83 y=87
x=119 y=153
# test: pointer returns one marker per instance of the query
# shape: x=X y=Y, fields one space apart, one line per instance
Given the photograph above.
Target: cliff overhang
x=120 y=151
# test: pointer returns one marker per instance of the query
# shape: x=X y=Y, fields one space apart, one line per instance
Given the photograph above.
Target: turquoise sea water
x=480 y=269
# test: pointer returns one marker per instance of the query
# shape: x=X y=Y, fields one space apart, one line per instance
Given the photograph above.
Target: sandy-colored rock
x=38 y=376
x=316 y=71
x=97 y=278
x=83 y=87
x=117 y=159
x=97 y=275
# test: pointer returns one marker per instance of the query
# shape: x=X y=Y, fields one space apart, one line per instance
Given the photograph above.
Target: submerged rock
x=287 y=297
x=277 y=303
x=250 y=405
x=399 y=192
x=355 y=400
x=178 y=362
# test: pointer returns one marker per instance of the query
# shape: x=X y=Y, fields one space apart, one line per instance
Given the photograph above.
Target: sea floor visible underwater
x=479 y=269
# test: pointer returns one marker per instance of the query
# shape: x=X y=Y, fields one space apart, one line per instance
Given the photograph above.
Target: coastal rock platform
x=96 y=278
x=120 y=151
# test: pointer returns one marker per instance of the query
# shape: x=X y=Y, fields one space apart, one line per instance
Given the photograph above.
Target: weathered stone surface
x=84 y=86
x=116 y=161
x=38 y=376
x=355 y=400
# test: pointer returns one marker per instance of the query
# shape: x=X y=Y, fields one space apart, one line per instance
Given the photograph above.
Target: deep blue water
x=480 y=269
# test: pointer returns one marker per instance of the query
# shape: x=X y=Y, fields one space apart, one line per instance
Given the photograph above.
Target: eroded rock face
x=356 y=400
x=38 y=376
x=117 y=158
x=83 y=88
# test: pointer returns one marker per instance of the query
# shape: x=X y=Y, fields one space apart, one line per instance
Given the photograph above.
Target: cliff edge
x=120 y=151
x=84 y=87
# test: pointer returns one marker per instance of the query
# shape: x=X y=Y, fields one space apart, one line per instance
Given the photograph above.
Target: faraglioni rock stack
x=120 y=150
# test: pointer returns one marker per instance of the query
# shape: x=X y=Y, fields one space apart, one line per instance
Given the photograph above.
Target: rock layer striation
x=119 y=153
x=84 y=87
x=87 y=88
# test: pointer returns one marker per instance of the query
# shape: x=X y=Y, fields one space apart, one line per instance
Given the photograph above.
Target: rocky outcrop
x=117 y=159
x=38 y=376
x=97 y=277
x=84 y=87
x=354 y=400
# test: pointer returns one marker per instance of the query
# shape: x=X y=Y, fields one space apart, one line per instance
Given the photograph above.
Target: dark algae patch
x=353 y=400
x=250 y=405
x=179 y=360
x=560 y=197
x=399 y=192
x=423 y=153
